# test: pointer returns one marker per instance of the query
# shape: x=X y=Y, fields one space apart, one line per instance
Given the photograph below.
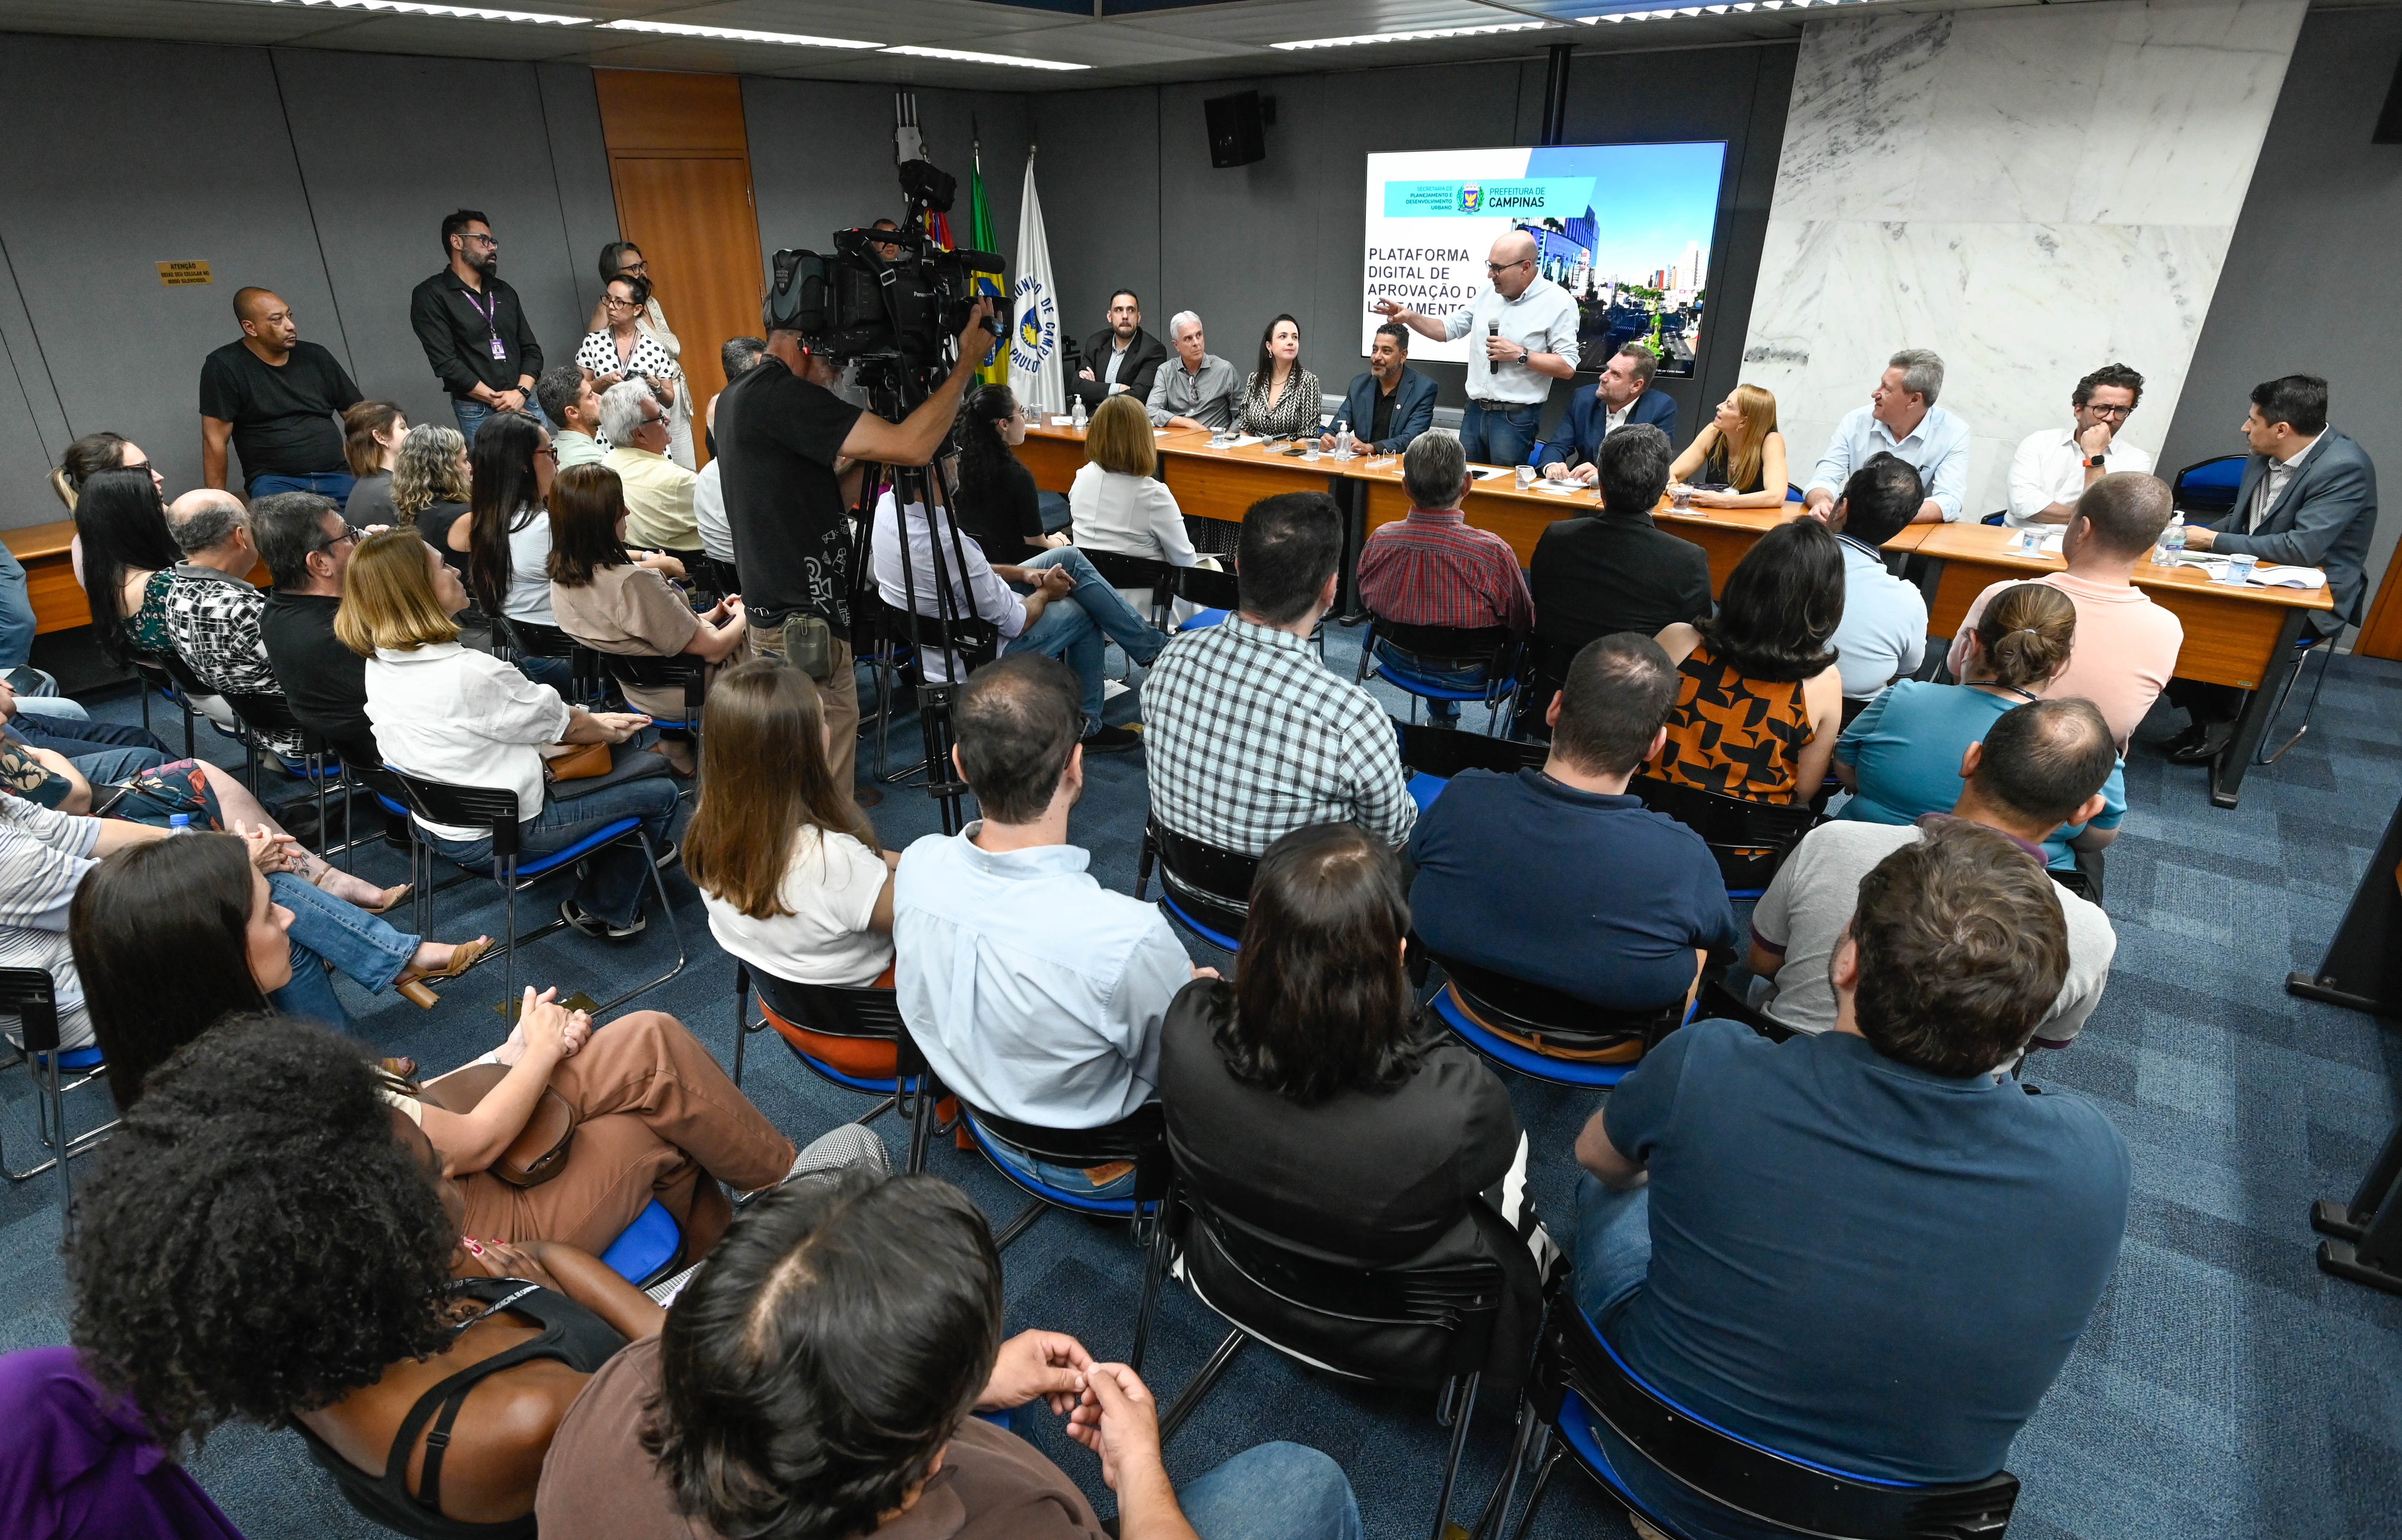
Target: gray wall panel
x=579 y=155
x=1096 y=167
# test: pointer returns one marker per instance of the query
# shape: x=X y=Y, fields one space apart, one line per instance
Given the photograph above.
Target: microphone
x=1493 y=326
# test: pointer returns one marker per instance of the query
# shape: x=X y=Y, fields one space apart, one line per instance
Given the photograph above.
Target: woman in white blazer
x=1116 y=504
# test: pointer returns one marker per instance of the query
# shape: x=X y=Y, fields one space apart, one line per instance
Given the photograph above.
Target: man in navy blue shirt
x=1556 y=876
x=1860 y=1249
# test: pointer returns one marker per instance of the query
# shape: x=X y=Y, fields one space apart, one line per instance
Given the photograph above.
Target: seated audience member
x=230 y=919
x=430 y=480
x=1015 y=1024
x=574 y=407
x=745 y=1416
x=261 y=1180
x=1280 y=398
x=1761 y=698
x=129 y=558
x=211 y=608
x=998 y=504
x=1120 y=359
x=611 y=603
x=2040 y=765
x=1249 y=734
x=1860 y=1248
x=1067 y=612
x=655 y=1117
x=1559 y=877
x=1428 y=568
x=1317 y=1059
x=717 y=567
x=658 y=491
x=1387 y=407
x=504 y=538
x=1884 y=634
x=1196 y=389
x=466 y=718
x=278 y=401
x=372 y=435
x=737 y=357
x=1901 y=419
x=2054 y=466
x=307 y=547
x=1116 y=504
x=82 y=741
x=1614 y=569
x=91 y=454
x=1737 y=461
x=1900 y=756
x=789 y=869
x=2308 y=499
x=78 y=1464
x=1622 y=397
x=2126 y=645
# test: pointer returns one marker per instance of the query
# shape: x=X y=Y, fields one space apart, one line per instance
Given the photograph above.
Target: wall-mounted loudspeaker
x=1237 y=127
x=2389 y=122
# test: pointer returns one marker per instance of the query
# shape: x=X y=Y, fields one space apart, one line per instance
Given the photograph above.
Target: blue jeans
x=1613 y=1245
x=1504 y=437
x=1273 y=1492
x=614 y=876
x=1073 y=627
x=333 y=484
x=325 y=929
x=16 y=613
x=1067 y=1178
x=1455 y=679
x=472 y=413
x=103 y=765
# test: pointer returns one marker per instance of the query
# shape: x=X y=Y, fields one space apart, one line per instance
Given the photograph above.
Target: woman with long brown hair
x=788 y=867
x=1737 y=461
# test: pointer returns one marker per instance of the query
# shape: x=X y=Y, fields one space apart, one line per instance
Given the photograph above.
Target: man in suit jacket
x=1392 y=403
x=1623 y=395
x=2308 y=499
x=1121 y=356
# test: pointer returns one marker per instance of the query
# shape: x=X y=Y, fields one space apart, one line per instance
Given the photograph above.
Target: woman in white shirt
x=466 y=718
x=787 y=866
x=506 y=535
x=1115 y=504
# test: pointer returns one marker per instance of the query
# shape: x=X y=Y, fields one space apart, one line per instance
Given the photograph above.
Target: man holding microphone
x=1530 y=326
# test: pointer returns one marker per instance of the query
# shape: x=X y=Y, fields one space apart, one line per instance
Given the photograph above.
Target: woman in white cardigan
x=1115 y=503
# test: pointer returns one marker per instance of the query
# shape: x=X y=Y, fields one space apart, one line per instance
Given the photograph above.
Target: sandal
x=410 y=984
x=393 y=898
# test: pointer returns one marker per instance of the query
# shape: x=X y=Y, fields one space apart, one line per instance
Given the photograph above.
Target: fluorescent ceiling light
x=736 y=35
x=1419 y=35
x=964 y=56
x=1664 y=12
x=462 y=13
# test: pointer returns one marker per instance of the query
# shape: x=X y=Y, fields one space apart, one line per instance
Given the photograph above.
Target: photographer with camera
x=786 y=441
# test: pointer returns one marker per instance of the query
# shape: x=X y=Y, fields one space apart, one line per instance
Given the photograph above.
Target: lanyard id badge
x=490 y=313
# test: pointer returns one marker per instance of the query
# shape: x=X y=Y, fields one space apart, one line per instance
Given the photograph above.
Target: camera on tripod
x=898 y=316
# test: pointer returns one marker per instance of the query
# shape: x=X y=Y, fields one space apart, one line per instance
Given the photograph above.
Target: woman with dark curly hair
x=265 y=1240
x=1760 y=699
x=1307 y=1101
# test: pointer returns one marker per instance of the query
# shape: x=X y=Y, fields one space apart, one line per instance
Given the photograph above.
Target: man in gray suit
x=2309 y=499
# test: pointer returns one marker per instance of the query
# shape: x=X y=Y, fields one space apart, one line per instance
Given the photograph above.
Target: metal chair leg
x=1505 y=1486
x=921 y=1127
x=2285 y=693
x=508 y=870
x=675 y=927
x=1551 y=1460
x=741 y=1018
x=1189 y=1398
x=1154 y=1274
x=1463 y=1416
x=1023 y=1221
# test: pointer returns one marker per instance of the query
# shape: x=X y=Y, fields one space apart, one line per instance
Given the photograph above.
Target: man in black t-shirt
x=784 y=441
x=280 y=401
x=307 y=548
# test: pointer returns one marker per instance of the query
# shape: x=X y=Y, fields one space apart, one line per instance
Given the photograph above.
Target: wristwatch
x=2095 y=462
x=1525 y=353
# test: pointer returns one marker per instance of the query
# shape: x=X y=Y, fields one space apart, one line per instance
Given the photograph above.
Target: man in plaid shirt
x=213 y=610
x=1431 y=568
x=1248 y=736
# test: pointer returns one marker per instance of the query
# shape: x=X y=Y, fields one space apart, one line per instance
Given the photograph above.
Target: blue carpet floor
x=2224 y=1388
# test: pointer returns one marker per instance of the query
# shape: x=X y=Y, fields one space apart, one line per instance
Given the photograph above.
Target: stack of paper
x=2289 y=577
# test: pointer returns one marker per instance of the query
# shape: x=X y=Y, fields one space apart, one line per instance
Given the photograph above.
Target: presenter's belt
x=1502 y=406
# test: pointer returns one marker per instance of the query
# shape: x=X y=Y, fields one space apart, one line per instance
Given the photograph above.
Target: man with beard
x=474 y=329
x=1121 y=356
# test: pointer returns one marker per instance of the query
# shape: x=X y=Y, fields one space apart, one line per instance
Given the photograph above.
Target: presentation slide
x=1626 y=229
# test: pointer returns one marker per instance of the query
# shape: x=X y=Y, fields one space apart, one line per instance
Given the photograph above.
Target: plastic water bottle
x=1077 y=416
x=1343 y=443
x=178 y=823
x=2171 y=543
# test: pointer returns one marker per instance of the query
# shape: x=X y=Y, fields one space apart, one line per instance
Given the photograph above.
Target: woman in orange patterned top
x=1760 y=702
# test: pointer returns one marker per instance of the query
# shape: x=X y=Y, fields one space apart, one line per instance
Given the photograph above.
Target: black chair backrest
x=1140 y=1137
x=829 y=1010
x=1211 y=590
x=682 y=670
x=1807 y=1499
x=1121 y=571
x=2076 y=882
x=31 y=996
x=1444 y=752
x=1734 y=827
x=187 y=682
x=153 y=671
x=492 y=808
x=269 y=713
x=1558 y=1020
x=534 y=639
x=1204 y=877
x=976 y=640
x=1446 y=646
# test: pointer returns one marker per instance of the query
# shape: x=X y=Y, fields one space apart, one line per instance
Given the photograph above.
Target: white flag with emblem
x=1033 y=322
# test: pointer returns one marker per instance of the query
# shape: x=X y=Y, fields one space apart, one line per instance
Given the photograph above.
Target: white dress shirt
x=1937 y=448
x=709 y=512
x=1132 y=516
x=984 y=595
x=2049 y=467
x=1543 y=320
x=449 y=714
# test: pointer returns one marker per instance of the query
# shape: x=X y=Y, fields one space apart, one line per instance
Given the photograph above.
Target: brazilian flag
x=996 y=365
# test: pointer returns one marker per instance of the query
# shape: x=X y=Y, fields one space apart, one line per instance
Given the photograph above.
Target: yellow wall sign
x=176 y=274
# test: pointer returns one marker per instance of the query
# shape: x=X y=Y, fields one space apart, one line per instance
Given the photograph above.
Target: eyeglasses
x=635 y=267
x=481 y=240
x=325 y=543
x=2121 y=412
x=617 y=304
x=1505 y=267
x=547 y=452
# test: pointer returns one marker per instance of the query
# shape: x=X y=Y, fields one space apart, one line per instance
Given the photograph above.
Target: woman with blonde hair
x=372 y=435
x=1737 y=461
x=788 y=867
x=1902 y=757
x=430 y=481
x=1116 y=504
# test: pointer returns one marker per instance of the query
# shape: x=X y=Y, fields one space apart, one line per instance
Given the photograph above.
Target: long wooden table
x=1208 y=482
x=41 y=549
x=2242 y=636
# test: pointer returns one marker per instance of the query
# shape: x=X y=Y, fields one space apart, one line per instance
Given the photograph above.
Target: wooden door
x=679 y=166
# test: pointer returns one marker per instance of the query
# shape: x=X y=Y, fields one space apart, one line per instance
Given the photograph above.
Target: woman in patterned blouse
x=1281 y=399
x=623 y=350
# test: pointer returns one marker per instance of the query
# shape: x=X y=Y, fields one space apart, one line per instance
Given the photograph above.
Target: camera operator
x=792 y=451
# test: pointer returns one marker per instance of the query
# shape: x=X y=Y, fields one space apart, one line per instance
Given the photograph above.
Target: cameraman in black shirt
x=790 y=450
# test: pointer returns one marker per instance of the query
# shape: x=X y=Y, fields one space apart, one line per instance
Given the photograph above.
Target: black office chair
x=1541 y=1025
x=262 y=714
x=151 y=668
x=975 y=643
x=31 y=996
x=527 y=639
x=864 y=1014
x=1750 y=839
x=1433 y=755
x=1579 y=1382
x=1430 y=650
x=1207 y=889
x=680 y=671
x=2208 y=487
x=1121 y=571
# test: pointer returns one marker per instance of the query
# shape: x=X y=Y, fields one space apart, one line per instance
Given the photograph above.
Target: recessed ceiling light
x=964 y=56
x=1419 y=35
x=462 y=13
x=736 y=35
